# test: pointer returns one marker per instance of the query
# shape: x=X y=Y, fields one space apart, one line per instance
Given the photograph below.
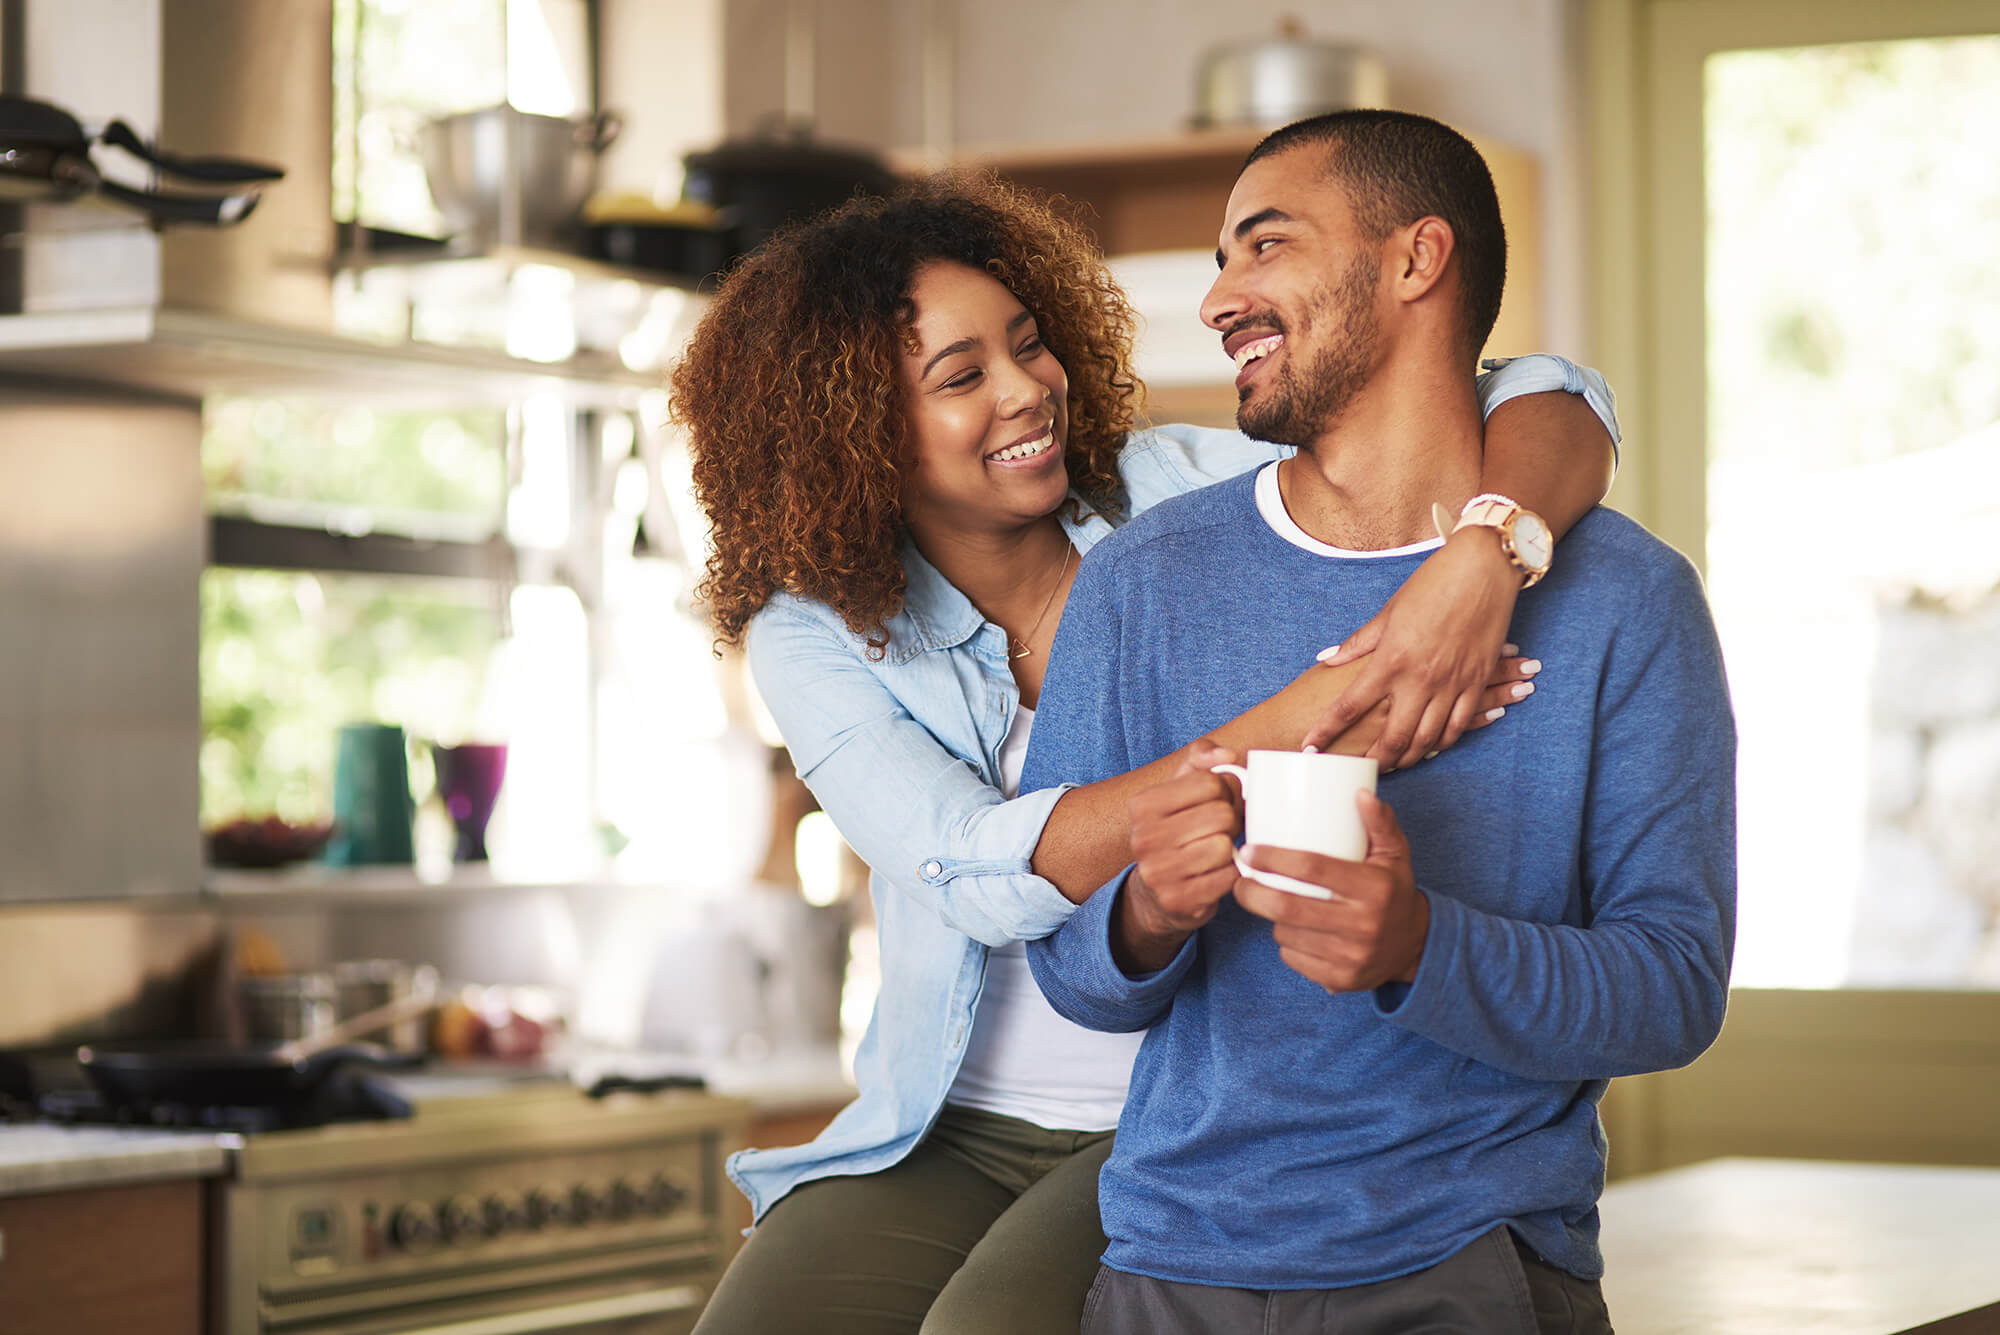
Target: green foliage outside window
x=287 y=658
x=322 y=454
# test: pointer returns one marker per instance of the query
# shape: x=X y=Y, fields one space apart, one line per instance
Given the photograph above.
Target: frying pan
x=200 y=1072
x=206 y=1071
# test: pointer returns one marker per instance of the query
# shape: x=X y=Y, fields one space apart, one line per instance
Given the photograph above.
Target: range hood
x=89 y=295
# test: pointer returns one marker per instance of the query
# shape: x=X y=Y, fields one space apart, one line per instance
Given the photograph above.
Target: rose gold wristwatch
x=1525 y=539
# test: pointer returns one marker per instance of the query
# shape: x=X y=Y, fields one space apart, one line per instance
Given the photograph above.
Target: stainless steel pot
x=506 y=177
x=286 y=1006
x=1281 y=79
x=366 y=985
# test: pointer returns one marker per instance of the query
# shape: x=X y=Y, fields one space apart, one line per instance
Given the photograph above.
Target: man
x=1378 y=1112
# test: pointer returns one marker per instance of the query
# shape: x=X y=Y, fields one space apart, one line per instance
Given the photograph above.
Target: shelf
x=506 y=259
x=188 y=354
x=312 y=884
x=1097 y=155
x=1168 y=193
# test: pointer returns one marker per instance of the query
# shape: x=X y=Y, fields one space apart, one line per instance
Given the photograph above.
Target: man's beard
x=1306 y=399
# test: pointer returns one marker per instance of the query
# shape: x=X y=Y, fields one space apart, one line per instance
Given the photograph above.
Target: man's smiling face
x=1295 y=301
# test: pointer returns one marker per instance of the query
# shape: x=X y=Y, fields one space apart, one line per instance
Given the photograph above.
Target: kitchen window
x=500 y=573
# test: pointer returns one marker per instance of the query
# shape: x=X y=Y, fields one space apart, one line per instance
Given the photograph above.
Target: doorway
x=1797 y=203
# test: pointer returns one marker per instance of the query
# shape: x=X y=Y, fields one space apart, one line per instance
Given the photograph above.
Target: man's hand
x=1374 y=929
x=1430 y=651
x=1184 y=842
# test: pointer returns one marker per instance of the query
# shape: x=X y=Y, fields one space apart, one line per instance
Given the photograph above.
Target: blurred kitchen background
x=339 y=494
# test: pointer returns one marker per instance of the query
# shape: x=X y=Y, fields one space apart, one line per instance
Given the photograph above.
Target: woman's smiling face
x=987 y=405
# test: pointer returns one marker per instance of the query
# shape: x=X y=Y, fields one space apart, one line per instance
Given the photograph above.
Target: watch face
x=1533 y=541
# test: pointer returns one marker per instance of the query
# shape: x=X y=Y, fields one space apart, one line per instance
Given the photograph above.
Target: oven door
x=667 y=1305
x=664 y=1311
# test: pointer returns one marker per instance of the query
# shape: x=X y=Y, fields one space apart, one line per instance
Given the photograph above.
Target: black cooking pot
x=200 y=1072
x=688 y=240
x=780 y=176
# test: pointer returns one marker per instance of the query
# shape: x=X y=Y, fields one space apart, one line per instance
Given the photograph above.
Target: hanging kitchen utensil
x=45 y=154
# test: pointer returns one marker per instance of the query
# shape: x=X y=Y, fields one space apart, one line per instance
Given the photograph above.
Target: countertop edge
x=78 y=1170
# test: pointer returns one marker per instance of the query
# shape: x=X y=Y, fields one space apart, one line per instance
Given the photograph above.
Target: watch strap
x=1491 y=510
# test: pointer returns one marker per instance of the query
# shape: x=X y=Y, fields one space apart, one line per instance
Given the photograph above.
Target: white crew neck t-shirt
x=1271 y=506
x=1023 y=1060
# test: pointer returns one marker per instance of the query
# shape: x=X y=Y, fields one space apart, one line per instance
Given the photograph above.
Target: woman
x=907 y=420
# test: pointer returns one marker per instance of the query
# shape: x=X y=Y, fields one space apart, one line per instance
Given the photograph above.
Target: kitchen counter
x=1778 y=1246
x=36 y=1159
x=783 y=1082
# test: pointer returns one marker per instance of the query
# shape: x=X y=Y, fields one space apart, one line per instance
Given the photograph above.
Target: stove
x=454 y=1203
x=496 y=1209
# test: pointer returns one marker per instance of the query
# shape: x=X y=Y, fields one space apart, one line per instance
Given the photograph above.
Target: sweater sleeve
x=1084 y=984
x=1641 y=984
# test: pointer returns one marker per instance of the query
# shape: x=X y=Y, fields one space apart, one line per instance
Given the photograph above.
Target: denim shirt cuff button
x=932 y=870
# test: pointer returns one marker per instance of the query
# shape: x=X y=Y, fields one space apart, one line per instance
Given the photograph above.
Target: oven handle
x=569 y=1316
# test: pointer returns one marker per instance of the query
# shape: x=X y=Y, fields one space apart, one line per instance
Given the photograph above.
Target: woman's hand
x=1183 y=850
x=1509 y=683
x=1429 y=655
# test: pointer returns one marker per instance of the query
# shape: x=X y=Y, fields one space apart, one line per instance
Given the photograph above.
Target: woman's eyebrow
x=963 y=345
x=966 y=344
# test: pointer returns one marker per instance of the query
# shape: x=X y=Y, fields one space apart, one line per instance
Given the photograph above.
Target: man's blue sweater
x=1578 y=856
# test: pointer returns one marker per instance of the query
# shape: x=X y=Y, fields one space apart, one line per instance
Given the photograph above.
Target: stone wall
x=1929 y=912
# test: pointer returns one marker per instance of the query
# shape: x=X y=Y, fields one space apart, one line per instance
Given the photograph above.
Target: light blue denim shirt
x=902 y=752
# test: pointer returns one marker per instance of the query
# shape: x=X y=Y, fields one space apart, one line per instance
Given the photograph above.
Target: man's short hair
x=1399 y=167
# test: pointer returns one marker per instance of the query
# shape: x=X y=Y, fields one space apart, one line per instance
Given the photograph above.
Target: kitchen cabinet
x=1169 y=193
x=1902 y=1075
x=105 y=1261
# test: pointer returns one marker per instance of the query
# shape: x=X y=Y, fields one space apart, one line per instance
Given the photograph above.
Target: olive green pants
x=988 y=1228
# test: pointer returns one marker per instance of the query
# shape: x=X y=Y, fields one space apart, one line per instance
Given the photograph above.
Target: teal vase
x=373 y=813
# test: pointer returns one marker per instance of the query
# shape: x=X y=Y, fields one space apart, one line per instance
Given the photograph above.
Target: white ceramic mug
x=1302 y=800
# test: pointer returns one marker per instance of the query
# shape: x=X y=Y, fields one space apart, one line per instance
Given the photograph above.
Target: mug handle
x=1291 y=885
x=1242 y=776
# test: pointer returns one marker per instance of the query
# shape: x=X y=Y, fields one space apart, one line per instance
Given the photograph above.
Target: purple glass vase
x=468 y=779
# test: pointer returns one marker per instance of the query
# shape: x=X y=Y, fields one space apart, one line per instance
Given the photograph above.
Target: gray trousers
x=1493 y=1286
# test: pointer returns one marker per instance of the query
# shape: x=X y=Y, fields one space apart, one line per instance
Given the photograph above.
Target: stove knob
x=412 y=1226
x=539 y=1210
x=663 y=1196
x=585 y=1205
x=461 y=1220
x=623 y=1201
x=502 y=1214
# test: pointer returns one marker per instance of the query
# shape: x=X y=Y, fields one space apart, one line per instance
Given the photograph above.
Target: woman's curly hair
x=791 y=398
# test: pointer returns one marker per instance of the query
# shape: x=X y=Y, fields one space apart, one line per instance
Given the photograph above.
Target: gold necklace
x=1018 y=648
